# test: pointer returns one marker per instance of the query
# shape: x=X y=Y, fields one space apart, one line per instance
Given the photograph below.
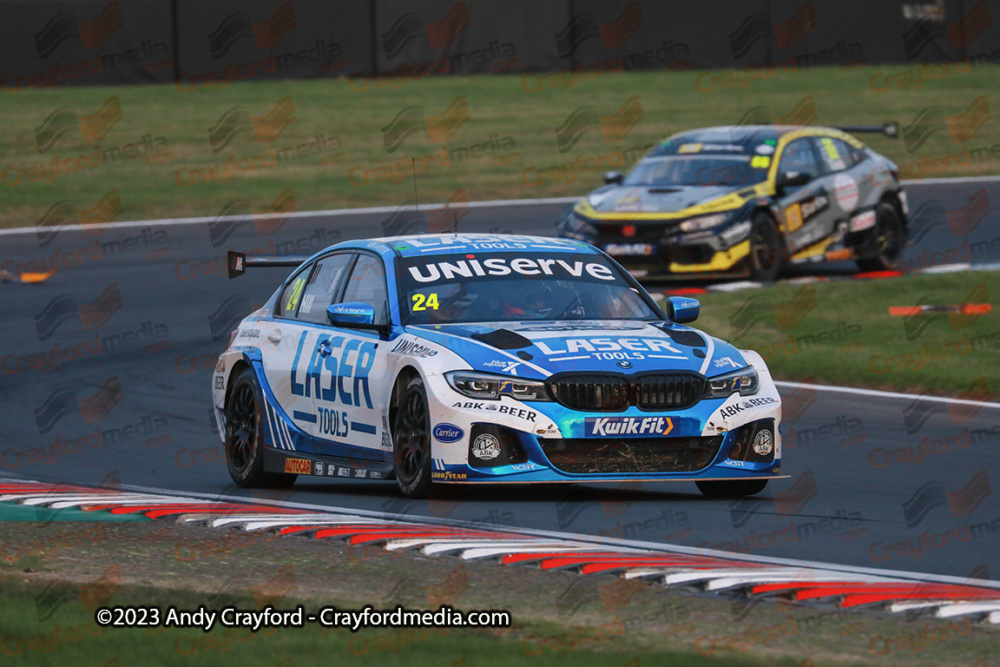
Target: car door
x=804 y=210
x=280 y=346
x=851 y=190
x=347 y=370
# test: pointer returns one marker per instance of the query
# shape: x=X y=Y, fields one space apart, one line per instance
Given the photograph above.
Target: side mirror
x=791 y=179
x=613 y=177
x=682 y=309
x=354 y=314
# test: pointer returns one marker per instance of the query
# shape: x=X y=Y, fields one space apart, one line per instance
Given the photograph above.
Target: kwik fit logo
x=604 y=426
x=237 y=27
x=92 y=128
x=66 y=25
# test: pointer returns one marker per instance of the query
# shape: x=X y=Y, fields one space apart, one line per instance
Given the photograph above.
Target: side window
x=291 y=297
x=855 y=156
x=835 y=153
x=367 y=284
x=799 y=156
x=323 y=287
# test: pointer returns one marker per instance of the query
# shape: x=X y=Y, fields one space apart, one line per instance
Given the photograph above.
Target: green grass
x=557 y=618
x=841 y=332
x=499 y=106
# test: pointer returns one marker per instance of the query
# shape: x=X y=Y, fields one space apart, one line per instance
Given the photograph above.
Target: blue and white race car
x=475 y=358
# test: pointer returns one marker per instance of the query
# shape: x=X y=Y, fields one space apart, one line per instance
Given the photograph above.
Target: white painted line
x=487 y=552
x=168 y=222
x=734 y=287
x=723 y=583
x=954 y=609
x=597 y=543
x=947 y=268
x=909 y=605
x=461 y=545
x=885 y=394
x=691 y=577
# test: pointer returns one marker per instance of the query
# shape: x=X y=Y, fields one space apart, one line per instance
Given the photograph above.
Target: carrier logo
x=448 y=433
x=607 y=426
x=298 y=466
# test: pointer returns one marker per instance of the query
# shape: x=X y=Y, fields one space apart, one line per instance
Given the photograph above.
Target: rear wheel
x=411 y=439
x=245 y=436
x=767 y=248
x=890 y=238
x=736 y=488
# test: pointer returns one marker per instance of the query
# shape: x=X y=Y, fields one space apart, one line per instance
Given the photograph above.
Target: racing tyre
x=766 y=249
x=732 y=489
x=245 y=436
x=890 y=238
x=411 y=441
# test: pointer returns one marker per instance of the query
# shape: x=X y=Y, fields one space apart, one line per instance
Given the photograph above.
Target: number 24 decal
x=421 y=302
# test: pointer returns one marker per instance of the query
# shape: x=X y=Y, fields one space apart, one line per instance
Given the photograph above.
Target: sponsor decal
x=502 y=266
x=343 y=472
x=249 y=333
x=863 y=221
x=360 y=473
x=448 y=475
x=413 y=348
x=448 y=433
x=609 y=426
x=628 y=249
x=220 y=382
x=734 y=464
x=725 y=361
x=609 y=348
x=342 y=376
x=486 y=447
x=846 y=192
x=759 y=402
x=498 y=408
x=731 y=410
x=318 y=468
x=763 y=442
x=524 y=467
x=298 y=466
x=220 y=365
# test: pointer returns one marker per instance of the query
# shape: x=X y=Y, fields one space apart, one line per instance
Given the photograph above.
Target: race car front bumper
x=529 y=442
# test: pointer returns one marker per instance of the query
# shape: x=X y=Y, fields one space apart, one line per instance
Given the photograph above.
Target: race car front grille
x=592 y=392
x=607 y=392
x=631 y=455
x=668 y=391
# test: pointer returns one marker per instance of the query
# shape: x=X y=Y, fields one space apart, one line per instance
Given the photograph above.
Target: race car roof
x=735 y=139
x=424 y=244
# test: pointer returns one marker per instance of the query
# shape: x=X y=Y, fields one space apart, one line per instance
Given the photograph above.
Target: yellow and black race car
x=747 y=201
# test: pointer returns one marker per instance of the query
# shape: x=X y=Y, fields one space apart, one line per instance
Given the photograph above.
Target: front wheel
x=245 y=436
x=767 y=249
x=736 y=488
x=411 y=440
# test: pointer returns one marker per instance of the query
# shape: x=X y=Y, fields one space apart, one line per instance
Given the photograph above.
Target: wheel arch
x=403 y=377
x=891 y=197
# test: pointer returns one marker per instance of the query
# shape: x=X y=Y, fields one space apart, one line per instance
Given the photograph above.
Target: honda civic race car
x=482 y=358
x=748 y=201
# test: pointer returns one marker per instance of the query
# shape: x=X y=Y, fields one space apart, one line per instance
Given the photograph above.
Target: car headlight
x=703 y=222
x=488 y=386
x=577 y=227
x=744 y=381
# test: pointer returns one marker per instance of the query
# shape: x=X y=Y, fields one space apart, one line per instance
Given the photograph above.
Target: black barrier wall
x=195 y=43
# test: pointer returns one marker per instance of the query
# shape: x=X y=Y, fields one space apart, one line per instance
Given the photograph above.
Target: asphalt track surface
x=141 y=412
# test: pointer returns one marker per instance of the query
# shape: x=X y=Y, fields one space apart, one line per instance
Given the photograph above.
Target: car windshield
x=735 y=170
x=515 y=287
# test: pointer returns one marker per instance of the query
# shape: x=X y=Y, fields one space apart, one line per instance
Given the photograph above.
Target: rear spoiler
x=238 y=262
x=890 y=129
